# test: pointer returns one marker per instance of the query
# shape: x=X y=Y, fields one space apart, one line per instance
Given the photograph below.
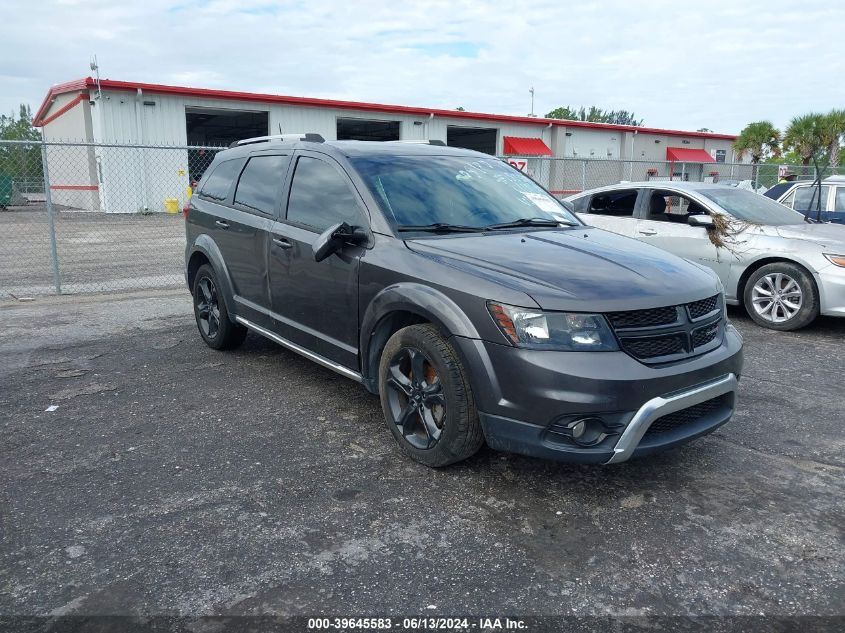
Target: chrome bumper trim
x=664 y=405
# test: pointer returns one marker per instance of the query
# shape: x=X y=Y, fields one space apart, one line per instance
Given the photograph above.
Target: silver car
x=784 y=270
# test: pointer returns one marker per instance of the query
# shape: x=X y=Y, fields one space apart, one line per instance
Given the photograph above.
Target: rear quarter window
x=218 y=184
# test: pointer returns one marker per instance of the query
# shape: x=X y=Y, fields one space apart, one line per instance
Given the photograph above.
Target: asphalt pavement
x=143 y=473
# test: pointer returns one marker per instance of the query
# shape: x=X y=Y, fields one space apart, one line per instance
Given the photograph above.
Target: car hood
x=584 y=269
x=829 y=235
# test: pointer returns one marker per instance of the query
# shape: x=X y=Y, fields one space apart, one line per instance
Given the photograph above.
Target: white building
x=119 y=179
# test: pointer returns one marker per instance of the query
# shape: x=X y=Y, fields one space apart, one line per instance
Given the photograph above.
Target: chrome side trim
x=321 y=360
x=664 y=405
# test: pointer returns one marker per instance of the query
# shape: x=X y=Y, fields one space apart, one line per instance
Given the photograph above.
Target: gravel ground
x=96 y=251
x=172 y=479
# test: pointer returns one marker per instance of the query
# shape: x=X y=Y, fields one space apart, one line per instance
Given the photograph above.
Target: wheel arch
x=399 y=306
x=205 y=250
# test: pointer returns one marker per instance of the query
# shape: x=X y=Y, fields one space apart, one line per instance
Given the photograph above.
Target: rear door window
x=839 y=201
x=616 y=203
x=219 y=182
x=260 y=184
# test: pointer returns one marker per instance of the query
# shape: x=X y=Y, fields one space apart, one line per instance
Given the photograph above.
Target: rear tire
x=427 y=399
x=211 y=313
x=781 y=296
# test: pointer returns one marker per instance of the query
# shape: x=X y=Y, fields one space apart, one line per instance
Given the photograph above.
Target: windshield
x=752 y=207
x=464 y=191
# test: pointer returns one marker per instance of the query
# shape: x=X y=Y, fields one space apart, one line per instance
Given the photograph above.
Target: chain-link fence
x=567 y=176
x=84 y=217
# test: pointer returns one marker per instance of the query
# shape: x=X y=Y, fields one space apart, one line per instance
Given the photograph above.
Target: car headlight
x=838 y=260
x=564 y=331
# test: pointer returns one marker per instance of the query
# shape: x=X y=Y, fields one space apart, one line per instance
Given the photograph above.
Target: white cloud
x=717 y=65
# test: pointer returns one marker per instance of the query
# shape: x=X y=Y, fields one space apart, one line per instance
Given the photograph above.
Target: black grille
x=704 y=335
x=683 y=417
x=643 y=318
x=654 y=346
x=698 y=309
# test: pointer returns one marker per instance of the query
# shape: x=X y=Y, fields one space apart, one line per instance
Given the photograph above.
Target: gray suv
x=476 y=305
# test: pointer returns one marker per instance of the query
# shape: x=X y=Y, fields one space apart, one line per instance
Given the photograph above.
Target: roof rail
x=434 y=141
x=284 y=138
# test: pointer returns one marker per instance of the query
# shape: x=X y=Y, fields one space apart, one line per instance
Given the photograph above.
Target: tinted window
x=616 y=203
x=320 y=196
x=807 y=198
x=260 y=183
x=466 y=190
x=218 y=183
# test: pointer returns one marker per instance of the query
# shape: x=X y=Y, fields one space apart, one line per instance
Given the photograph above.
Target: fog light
x=586 y=431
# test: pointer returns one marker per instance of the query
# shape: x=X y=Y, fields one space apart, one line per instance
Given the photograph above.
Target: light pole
x=531 y=90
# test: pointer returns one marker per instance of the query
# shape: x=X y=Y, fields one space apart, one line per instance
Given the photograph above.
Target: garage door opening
x=219 y=128
x=367 y=130
x=480 y=139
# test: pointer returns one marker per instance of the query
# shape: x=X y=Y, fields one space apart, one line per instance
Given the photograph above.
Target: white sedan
x=784 y=270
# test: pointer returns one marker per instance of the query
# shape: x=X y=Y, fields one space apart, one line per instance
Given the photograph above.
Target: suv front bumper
x=525 y=397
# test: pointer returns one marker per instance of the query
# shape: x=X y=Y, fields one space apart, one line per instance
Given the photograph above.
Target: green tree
x=595 y=115
x=460 y=109
x=21 y=162
x=804 y=137
x=759 y=139
x=833 y=129
x=808 y=136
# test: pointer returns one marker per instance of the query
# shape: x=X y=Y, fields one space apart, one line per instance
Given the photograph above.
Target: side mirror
x=335 y=237
x=704 y=221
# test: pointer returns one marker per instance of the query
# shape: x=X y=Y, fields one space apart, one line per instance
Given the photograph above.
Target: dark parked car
x=802 y=196
x=465 y=295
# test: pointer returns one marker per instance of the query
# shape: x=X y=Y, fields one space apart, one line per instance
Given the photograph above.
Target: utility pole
x=531 y=90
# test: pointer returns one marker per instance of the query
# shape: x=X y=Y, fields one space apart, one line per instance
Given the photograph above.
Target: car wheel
x=426 y=397
x=781 y=296
x=211 y=314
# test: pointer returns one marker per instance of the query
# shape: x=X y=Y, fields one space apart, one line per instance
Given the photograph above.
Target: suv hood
x=831 y=235
x=583 y=269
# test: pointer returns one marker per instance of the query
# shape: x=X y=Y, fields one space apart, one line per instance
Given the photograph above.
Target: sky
x=680 y=65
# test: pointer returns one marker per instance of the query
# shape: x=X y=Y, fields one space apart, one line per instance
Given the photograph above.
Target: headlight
x=838 y=260
x=566 y=331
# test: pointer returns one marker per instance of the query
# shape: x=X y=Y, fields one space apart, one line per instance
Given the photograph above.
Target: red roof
x=688 y=155
x=88 y=83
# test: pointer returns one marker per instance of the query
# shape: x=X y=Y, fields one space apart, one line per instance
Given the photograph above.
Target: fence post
x=583 y=175
x=54 y=253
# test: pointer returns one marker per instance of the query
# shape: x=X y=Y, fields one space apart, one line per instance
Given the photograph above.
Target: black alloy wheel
x=416 y=400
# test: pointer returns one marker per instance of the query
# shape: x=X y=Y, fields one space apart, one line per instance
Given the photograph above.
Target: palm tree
x=834 y=130
x=808 y=135
x=758 y=139
x=804 y=136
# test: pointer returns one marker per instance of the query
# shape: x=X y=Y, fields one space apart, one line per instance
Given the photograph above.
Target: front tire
x=211 y=314
x=781 y=296
x=427 y=399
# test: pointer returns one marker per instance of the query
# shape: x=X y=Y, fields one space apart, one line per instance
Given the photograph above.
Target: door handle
x=282 y=242
x=648 y=232
x=222 y=224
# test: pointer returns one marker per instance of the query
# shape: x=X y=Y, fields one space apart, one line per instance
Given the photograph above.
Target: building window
x=480 y=139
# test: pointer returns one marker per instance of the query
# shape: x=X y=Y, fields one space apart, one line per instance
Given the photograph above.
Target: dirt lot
x=175 y=479
x=97 y=251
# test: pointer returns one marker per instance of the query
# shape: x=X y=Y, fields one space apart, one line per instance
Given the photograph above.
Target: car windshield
x=752 y=207
x=459 y=191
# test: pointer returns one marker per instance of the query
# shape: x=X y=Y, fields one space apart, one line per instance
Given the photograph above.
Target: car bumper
x=528 y=400
x=831 y=282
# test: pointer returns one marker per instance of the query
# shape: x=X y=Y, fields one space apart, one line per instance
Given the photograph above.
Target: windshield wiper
x=439 y=227
x=527 y=222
